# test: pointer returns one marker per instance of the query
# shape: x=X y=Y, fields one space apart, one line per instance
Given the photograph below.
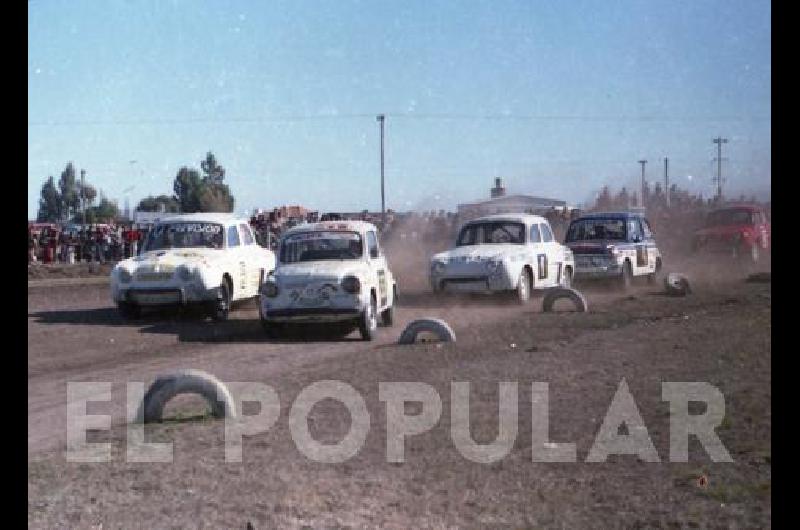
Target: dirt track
x=719 y=334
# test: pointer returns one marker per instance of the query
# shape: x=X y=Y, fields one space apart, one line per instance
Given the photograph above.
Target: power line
x=400 y=115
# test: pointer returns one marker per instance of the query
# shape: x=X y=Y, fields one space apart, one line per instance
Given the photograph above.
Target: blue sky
x=558 y=98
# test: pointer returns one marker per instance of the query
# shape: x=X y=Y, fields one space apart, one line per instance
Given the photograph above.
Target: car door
x=539 y=261
x=650 y=245
x=636 y=237
x=238 y=262
x=252 y=257
x=378 y=266
x=548 y=259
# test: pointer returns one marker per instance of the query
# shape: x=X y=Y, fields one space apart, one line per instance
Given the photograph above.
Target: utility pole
x=666 y=178
x=83 y=197
x=719 y=140
x=381 y=118
x=642 y=162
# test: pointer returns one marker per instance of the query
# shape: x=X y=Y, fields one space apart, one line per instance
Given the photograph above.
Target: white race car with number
x=207 y=258
x=502 y=253
x=329 y=272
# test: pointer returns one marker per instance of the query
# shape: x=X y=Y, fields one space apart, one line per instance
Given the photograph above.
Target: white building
x=502 y=203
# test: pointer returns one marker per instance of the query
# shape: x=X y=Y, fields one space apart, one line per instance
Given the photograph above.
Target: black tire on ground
x=755 y=252
x=128 y=310
x=222 y=305
x=271 y=329
x=368 y=323
x=556 y=293
x=652 y=278
x=437 y=326
x=626 y=278
x=523 y=291
x=168 y=386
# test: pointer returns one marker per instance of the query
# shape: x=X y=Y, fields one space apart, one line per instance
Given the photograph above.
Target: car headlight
x=437 y=267
x=351 y=284
x=270 y=289
x=124 y=275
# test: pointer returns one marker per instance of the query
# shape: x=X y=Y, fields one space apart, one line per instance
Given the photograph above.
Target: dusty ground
x=720 y=334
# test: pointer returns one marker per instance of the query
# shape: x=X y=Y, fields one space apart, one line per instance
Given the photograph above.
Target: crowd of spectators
x=55 y=243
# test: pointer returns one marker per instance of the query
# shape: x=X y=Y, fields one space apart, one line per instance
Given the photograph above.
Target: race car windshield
x=496 y=232
x=596 y=229
x=318 y=246
x=184 y=235
x=732 y=216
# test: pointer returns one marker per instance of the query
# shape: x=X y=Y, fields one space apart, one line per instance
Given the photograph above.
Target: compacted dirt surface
x=719 y=334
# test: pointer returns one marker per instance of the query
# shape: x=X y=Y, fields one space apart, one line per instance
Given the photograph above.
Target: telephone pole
x=666 y=179
x=719 y=140
x=381 y=118
x=83 y=196
x=641 y=201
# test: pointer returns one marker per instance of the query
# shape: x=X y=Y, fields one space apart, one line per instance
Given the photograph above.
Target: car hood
x=171 y=258
x=593 y=247
x=479 y=252
x=318 y=270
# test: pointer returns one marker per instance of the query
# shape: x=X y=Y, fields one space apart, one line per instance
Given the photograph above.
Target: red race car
x=741 y=231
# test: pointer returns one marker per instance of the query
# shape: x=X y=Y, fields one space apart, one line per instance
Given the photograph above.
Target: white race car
x=330 y=272
x=503 y=253
x=204 y=258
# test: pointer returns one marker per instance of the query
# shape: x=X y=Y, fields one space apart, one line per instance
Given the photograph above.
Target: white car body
x=497 y=267
x=194 y=274
x=311 y=291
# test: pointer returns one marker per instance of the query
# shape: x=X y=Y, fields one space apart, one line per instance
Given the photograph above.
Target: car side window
x=547 y=234
x=247 y=236
x=233 y=236
x=372 y=245
x=536 y=236
x=634 y=230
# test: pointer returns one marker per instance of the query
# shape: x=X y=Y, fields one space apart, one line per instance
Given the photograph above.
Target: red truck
x=741 y=231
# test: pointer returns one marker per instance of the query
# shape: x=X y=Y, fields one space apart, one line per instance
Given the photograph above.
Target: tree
x=215 y=198
x=49 y=203
x=212 y=171
x=104 y=212
x=88 y=193
x=69 y=191
x=187 y=190
x=155 y=204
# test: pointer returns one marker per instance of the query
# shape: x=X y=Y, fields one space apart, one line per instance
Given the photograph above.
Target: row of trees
x=657 y=199
x=63 y=201
x=194 y=190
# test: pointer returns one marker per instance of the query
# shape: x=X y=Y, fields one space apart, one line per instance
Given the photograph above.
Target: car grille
x=153 y=276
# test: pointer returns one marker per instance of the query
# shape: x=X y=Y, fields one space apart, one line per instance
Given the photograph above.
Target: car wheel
x=222 y=305
x=368 y=322
x=653 y=276
x=626 y=279
x=387 y=316
x=128 y=310
x=754 y=252
x=524 y=287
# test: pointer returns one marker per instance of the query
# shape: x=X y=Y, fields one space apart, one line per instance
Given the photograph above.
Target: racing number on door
x=641 y=256
x=382 y=290
x=542 y=265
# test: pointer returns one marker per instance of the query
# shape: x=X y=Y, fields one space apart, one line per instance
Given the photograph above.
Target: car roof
x=610 y=215
x=350 y=226
x=203 y=217
x=527 y=218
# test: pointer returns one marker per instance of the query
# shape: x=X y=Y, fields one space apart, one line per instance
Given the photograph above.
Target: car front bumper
x=164 y=294
x=594 y=267
x=471 y=284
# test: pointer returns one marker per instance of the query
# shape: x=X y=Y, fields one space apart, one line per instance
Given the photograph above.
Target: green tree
x=215 y=198
x=154 y=204
x=68 y=191
x=49 y=203
x=212 y=171
x=187 y=188
x=104 y=212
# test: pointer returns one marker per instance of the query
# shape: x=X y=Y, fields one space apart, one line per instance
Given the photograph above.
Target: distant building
x=502 y=203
